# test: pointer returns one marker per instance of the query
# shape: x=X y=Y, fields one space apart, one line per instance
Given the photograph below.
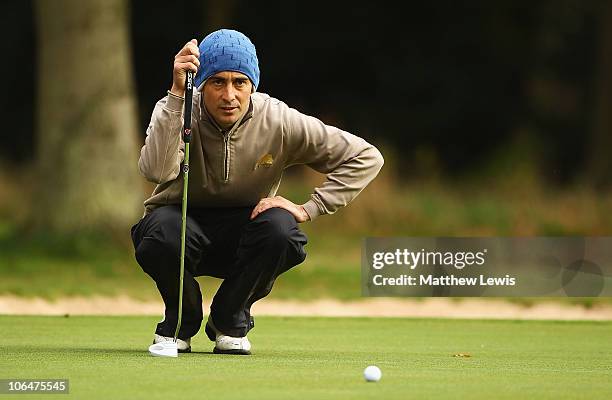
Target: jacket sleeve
x=163 y=150
x=349 y=162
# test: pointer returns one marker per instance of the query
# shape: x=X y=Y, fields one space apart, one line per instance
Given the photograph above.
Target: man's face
x=226 y=97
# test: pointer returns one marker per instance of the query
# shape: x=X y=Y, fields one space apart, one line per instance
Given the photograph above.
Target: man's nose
x=228 y=93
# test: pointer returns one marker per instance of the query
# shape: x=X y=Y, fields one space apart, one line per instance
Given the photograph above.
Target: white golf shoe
x=232 y=345
x=184 y=346
x=225 y=344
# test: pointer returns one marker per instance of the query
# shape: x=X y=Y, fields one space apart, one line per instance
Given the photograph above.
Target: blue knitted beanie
x=227 y=50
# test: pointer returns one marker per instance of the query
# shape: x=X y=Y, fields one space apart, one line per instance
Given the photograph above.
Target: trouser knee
x=156 y=257
x=275 y=233
x=157 y=241
x=276 y=230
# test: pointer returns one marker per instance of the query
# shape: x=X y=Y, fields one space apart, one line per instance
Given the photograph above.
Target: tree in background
x=600 y=162
x=87 y=147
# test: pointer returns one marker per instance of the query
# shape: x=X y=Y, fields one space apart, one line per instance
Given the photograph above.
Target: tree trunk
x=600 y=162
x=86 y=123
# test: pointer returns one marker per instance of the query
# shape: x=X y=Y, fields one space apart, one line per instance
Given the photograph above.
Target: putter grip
x=188 y=104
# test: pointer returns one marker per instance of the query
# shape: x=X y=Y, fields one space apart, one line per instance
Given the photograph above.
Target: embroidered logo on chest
x=265 y=161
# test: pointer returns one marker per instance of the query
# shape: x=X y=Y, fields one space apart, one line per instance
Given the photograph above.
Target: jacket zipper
x=226 y=158
x=227 y=137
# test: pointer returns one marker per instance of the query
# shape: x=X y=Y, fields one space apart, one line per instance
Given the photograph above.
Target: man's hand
x=185 y=60
x=278 y=201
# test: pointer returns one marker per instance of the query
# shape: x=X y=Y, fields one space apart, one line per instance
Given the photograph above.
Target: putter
x=170 y=349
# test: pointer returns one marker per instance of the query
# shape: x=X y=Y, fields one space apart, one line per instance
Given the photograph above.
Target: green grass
x=517 y=205
x=77 y=265
x=319 y=358
x=91 y=265
x=88 y=266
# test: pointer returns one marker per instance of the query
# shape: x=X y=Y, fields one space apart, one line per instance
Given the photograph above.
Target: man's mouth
x=228 y=109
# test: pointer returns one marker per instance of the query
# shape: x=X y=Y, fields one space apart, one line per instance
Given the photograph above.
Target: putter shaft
x=187 y=140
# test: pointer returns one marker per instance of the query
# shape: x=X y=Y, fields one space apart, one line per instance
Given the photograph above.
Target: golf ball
x=372 y=373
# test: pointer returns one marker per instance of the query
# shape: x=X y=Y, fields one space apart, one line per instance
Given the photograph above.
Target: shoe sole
x=187 y=350
x=238 y=352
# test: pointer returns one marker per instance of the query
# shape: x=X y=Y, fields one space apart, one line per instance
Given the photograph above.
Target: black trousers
x=220 y=242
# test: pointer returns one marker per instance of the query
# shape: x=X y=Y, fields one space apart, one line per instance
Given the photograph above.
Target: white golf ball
x=372 y=373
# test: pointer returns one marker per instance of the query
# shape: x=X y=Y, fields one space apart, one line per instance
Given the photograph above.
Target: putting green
x=318 y=358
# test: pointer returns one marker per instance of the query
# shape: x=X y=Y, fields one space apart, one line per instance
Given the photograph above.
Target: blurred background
x=493 y=117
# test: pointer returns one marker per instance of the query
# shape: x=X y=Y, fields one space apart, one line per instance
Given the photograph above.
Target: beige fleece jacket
x=246 y=164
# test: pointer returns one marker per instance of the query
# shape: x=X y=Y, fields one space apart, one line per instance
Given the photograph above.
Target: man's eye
x=240 y=83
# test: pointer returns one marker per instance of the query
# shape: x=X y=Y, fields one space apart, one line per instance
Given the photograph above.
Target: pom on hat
x=227 y=50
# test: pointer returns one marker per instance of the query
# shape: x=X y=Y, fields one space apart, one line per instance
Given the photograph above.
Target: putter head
x=164 y=349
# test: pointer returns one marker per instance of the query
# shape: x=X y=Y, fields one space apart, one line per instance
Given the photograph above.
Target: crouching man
x=238 y=229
